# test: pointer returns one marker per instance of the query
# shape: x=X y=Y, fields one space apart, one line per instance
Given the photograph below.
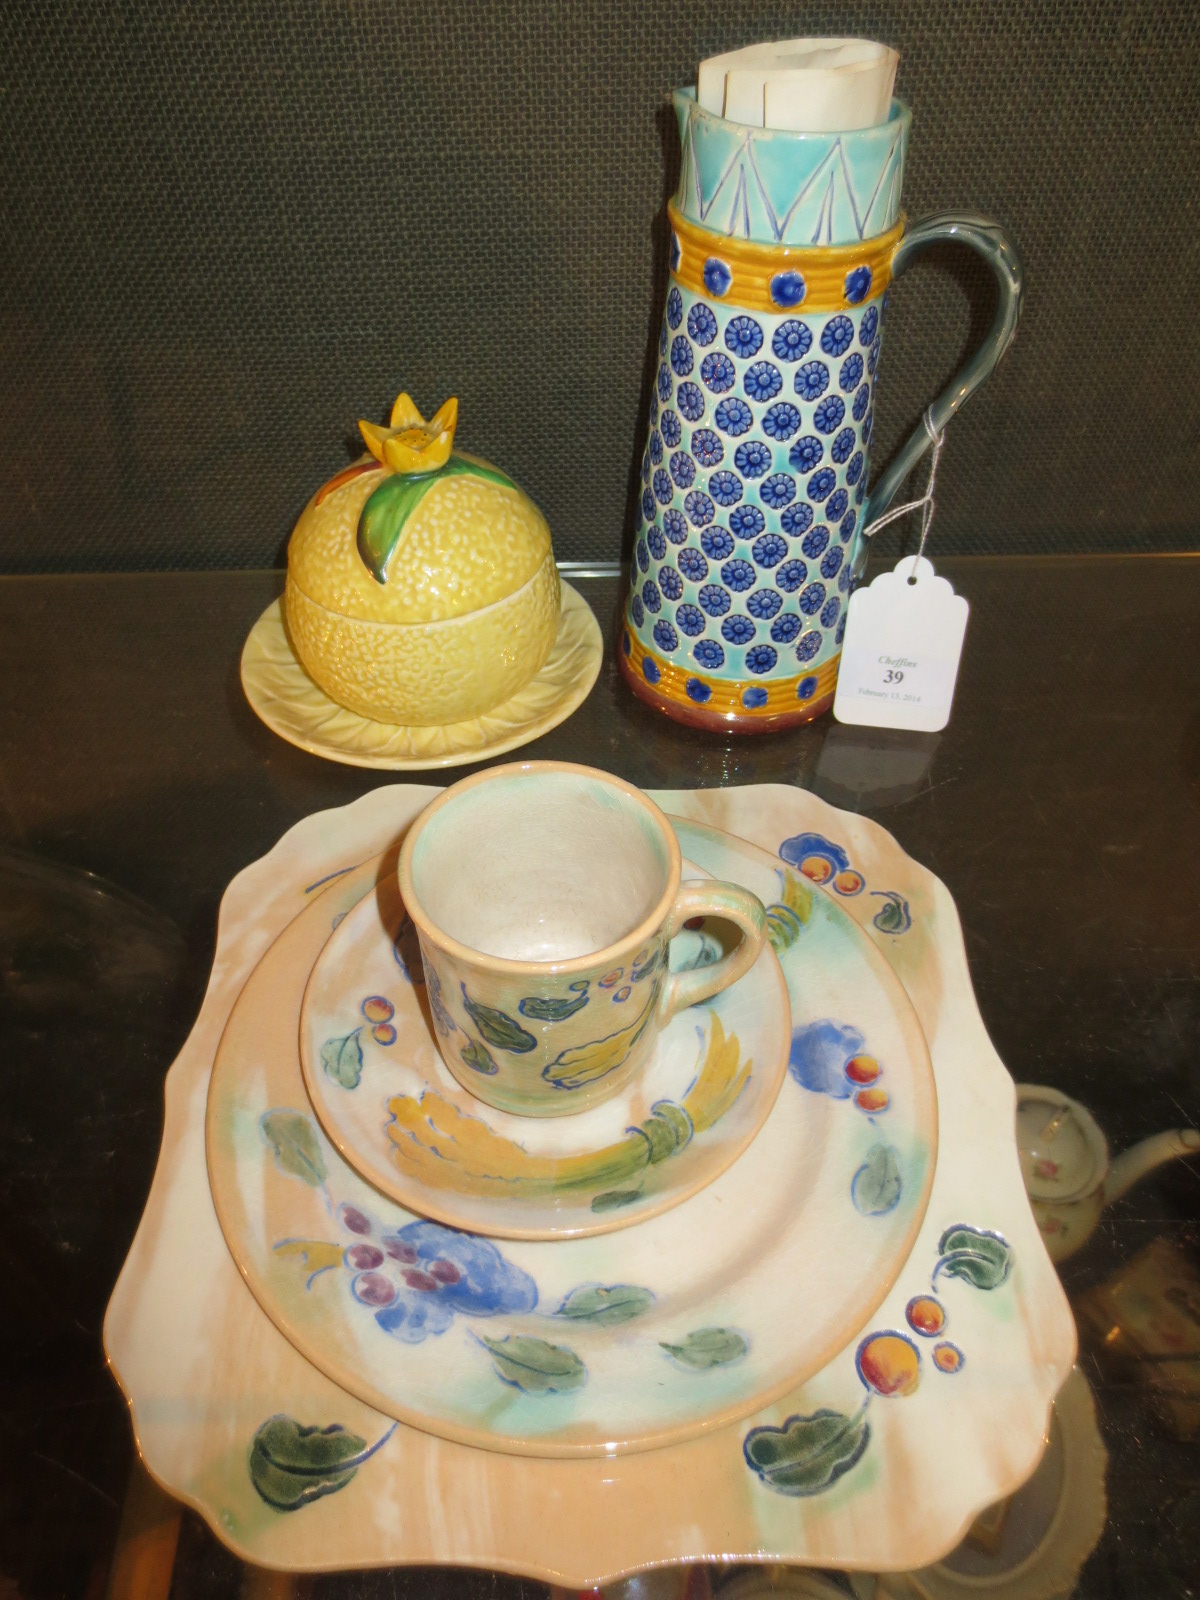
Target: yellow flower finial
x=412 y=445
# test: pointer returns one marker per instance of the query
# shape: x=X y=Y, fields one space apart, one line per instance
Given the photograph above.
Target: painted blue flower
x=674 y=526
x=674 y=307
x=746 y=521
x=761 y=658
x=791 y=341
x=656 y=542
x=702 y=325
x=777 y=490
x=738 y=574
x=860 y=489
x=854 y=470
x=781 y=420
x=835 y=506
x=656 y=446
x=847 y=526
x=650 y=669
x=845 y=578
x=725 y=488
x=709 y=653
x=665 y=636
x=762 y=381
x=663 y=488
x=672 y=429
x=717 y=277
x=676 y=251
x=868 y=427
x=699 y=508
x=790 y=575
x=829 y=413
x=841 y=632
x=697 y=691
x=821 y=483
x=806 y=688
x=733 y=416
x=768 y=550
x=638 y=610
x=812 y=379
x=693 y=565
x=718 y=372
x=815 y=542
x=681 y=355
x=651 y=598
x=642 y=554
x=716 y=544
x=841 y=448
x=664 y=382
x=670 y=582
x=662 y=341
x=811 y=599
x=707 y=447
x=754 y=697
x=868 y=325
x=646 y=467
x=861 y=401
x=737 y=630
x=714 y=599
x=690 y=401
x=851 y=374
x=857 y=285
x=873 y=357
x=837 y=336
x=439 y=1272
x=648 y=504
x=752 y=458
x=683 y=470
x=806 y=453
x=808 y=646
x=690 y=620
x=743 y=336
x=653 y=408
x=764 y=603
x=796 y=519
x=832 y=606
x=784 y=629
x=787 y=289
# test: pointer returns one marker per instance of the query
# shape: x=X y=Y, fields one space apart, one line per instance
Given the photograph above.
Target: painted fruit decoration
x=421 y=583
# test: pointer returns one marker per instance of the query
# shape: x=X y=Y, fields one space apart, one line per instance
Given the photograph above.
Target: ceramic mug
x=749 y=532
x=545 y=897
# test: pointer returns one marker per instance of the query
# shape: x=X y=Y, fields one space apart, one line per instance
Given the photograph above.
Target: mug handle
x=731 y=904
x=991 y=242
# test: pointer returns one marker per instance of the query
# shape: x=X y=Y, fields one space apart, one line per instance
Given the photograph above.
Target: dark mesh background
x=228 y=231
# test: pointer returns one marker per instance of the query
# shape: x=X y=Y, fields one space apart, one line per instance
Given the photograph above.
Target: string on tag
x=925 y=504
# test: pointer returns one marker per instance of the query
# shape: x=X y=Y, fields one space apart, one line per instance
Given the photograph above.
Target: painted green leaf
x=342 y=1059
x=807 y=1454
x=982 y=1259
x=293 y=1138
x=667 y=1129
x=876 y=1185
x=709 y=1347
x=550 y=1010
x=614 y=1199
x=536 y=1366
x=649 y=966
x=594 y=1302
x=382 y=520
x=893 y=916
x=292 y=1465
x=478 y=1059
x=497 y=1027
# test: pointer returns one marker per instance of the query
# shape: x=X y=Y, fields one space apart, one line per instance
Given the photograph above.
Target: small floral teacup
x=545 y=897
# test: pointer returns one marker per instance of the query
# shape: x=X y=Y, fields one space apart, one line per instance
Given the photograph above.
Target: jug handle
x=991 y=242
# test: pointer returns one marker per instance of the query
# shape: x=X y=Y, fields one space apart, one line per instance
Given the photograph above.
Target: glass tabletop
x=1061 y=807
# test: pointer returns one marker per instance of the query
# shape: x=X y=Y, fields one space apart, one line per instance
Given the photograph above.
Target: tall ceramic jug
x=750 y=526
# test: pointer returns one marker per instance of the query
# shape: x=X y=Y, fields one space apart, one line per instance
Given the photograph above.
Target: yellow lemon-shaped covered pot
x=421 y=582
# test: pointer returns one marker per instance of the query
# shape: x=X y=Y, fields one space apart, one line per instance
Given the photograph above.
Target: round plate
x=624 y=1341
x=385 y=1097
x=291 y=704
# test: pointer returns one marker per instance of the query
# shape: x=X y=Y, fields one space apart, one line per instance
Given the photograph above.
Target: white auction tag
x=904 y=637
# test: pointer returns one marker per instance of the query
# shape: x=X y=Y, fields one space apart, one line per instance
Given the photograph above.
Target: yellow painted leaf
x=720 y=1081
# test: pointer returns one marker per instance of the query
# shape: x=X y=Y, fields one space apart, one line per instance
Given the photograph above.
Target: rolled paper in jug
x=803 y=85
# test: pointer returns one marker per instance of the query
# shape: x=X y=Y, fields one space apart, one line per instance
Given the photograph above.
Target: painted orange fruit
x=849 y=881
x=383 y=1033
x=376 y=1009
x=889 y=1364
x=863 y=1069
x=817 y=868
x=925 y=1315
x=947 y=1357
x=872 y=1100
